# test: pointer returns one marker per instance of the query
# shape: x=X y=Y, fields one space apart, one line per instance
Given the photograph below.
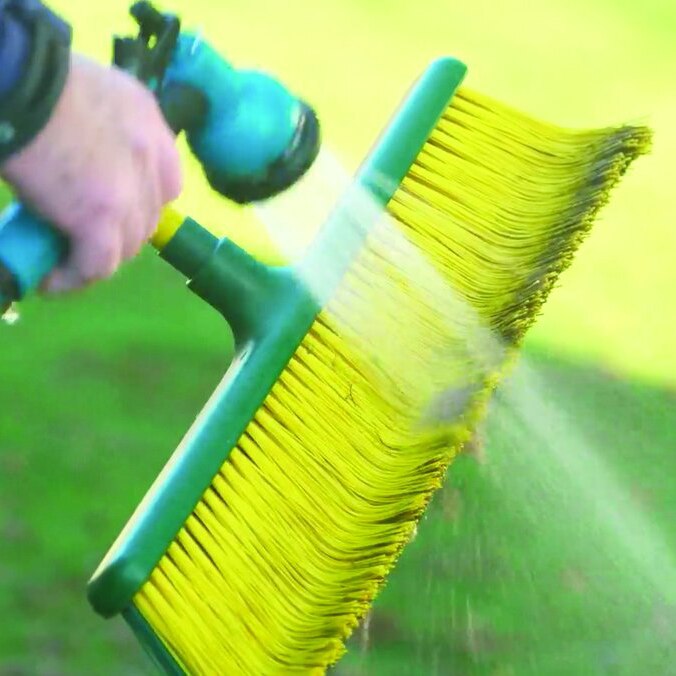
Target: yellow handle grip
x=170 y=222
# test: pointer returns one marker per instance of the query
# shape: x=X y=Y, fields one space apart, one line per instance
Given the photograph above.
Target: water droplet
x=11 y=315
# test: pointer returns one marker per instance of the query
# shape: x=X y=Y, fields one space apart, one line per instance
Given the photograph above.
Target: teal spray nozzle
x=253 y=138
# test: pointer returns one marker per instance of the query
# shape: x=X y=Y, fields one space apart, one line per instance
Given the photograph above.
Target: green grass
x=513 y=571
x=94 y=401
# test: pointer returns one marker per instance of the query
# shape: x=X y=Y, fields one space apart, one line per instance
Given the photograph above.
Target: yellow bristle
x=296 y=534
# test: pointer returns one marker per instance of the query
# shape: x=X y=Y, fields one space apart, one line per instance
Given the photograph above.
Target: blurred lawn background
x=98 y=388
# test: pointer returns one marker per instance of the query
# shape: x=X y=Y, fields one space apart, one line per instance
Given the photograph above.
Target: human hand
x=100 y=171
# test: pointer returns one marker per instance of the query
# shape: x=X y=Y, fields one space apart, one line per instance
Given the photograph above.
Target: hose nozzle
x=253 y=138
x=277 y=174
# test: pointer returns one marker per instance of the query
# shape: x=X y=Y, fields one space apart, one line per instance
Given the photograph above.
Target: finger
x=62 y=280
x=155 y=202
x=92 y=257
x=144 y=215
x=169 y=168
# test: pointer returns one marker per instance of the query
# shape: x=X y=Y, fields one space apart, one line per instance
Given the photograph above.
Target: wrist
x=28 y=105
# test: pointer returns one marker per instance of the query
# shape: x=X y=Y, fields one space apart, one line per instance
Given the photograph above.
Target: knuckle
x=108 y=203
x=140 y=96
x=139 y=227
x=132 y=248
x=140 y=144
x=171 y=174
x=151 y=225
x=173 y=186
x=148 y=111
x=108 y=262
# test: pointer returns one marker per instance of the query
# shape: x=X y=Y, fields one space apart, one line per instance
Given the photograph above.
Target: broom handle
x=30 y=248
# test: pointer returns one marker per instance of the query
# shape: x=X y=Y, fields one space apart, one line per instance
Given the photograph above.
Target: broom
x=277 y=520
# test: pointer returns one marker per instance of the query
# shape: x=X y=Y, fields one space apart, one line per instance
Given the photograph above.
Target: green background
x=550 y=550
